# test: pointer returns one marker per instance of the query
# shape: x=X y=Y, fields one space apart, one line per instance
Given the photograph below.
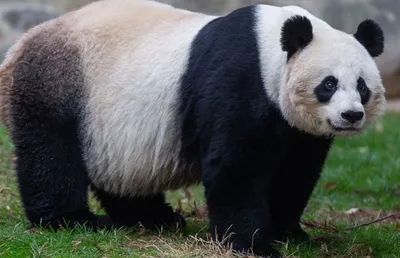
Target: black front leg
x=294 y=183
x=234 y=185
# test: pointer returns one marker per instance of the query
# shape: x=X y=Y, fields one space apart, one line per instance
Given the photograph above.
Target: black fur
x=364 y=91
x=296 y=34
x=370 y=35
x=150 y=211
x=45 y=104
x=46 y=114
x=256 y=174
x=324 y=94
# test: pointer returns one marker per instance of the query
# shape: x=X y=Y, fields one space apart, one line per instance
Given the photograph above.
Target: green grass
x=362 y=173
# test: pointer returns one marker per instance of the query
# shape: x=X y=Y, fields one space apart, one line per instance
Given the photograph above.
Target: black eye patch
x=326 y=89
x=364 y=91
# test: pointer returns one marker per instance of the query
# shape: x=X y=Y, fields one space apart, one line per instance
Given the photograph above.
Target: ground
x=354 y=211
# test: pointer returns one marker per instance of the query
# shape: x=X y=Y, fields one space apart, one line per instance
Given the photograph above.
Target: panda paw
x=296 y=235
x=98 y=222
x=101 y=222
x=172 y=222
x=86 y=220
x=176 y=221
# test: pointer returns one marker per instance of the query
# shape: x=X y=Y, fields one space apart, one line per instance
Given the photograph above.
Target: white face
x=332 y=89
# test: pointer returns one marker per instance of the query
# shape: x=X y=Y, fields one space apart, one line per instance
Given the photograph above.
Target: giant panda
x=133 y=98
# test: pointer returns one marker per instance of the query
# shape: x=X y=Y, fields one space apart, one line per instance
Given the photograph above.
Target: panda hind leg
x=51 y=176
x=151 y=211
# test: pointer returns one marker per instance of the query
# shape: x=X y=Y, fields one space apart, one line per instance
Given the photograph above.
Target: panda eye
x=326 y=89
x=364 y=91
x=330 y=85
x=362 y=88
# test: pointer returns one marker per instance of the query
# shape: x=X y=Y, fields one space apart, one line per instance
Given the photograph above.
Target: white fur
x=331 y=52
x=134 y=54
x=133 y=136
x=272 y=60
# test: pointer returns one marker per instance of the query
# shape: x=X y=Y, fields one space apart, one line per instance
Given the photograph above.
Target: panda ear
x=370 y=35
x=296 y=34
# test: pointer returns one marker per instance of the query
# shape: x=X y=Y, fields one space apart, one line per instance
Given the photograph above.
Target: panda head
x=332 y=85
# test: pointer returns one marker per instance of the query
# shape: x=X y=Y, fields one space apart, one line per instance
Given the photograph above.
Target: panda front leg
x=150 y=211
x=239 y=213
x=293 y=185
x=51 y=175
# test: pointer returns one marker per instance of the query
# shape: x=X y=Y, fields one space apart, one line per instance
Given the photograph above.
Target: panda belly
x=131 y=126
x=132 y=138
x=134 y=148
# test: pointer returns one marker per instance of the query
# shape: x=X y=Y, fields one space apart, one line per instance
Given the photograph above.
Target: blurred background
x=16 y=16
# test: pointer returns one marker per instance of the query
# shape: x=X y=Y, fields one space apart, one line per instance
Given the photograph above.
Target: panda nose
x=353 y=116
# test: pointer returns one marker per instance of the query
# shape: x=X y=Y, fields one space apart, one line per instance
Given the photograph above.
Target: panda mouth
x=337 y=128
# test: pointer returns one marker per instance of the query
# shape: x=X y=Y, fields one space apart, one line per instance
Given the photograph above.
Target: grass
x=360 y=183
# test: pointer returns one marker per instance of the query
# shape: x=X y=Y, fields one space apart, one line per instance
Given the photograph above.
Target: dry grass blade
x=318 y=225
x=194 y=247
x=373 y=222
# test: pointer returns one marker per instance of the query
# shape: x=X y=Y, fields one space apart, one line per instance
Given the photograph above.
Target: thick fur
x=237 y=134
x=148 y=162
x=110 y=97
x=50 y=167
x=370 y=35
x=135 y=150
x=291 y=86
x=296 y=34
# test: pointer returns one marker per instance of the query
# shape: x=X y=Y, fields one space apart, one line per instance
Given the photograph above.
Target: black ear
x=370 y=35
x=296 y=34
